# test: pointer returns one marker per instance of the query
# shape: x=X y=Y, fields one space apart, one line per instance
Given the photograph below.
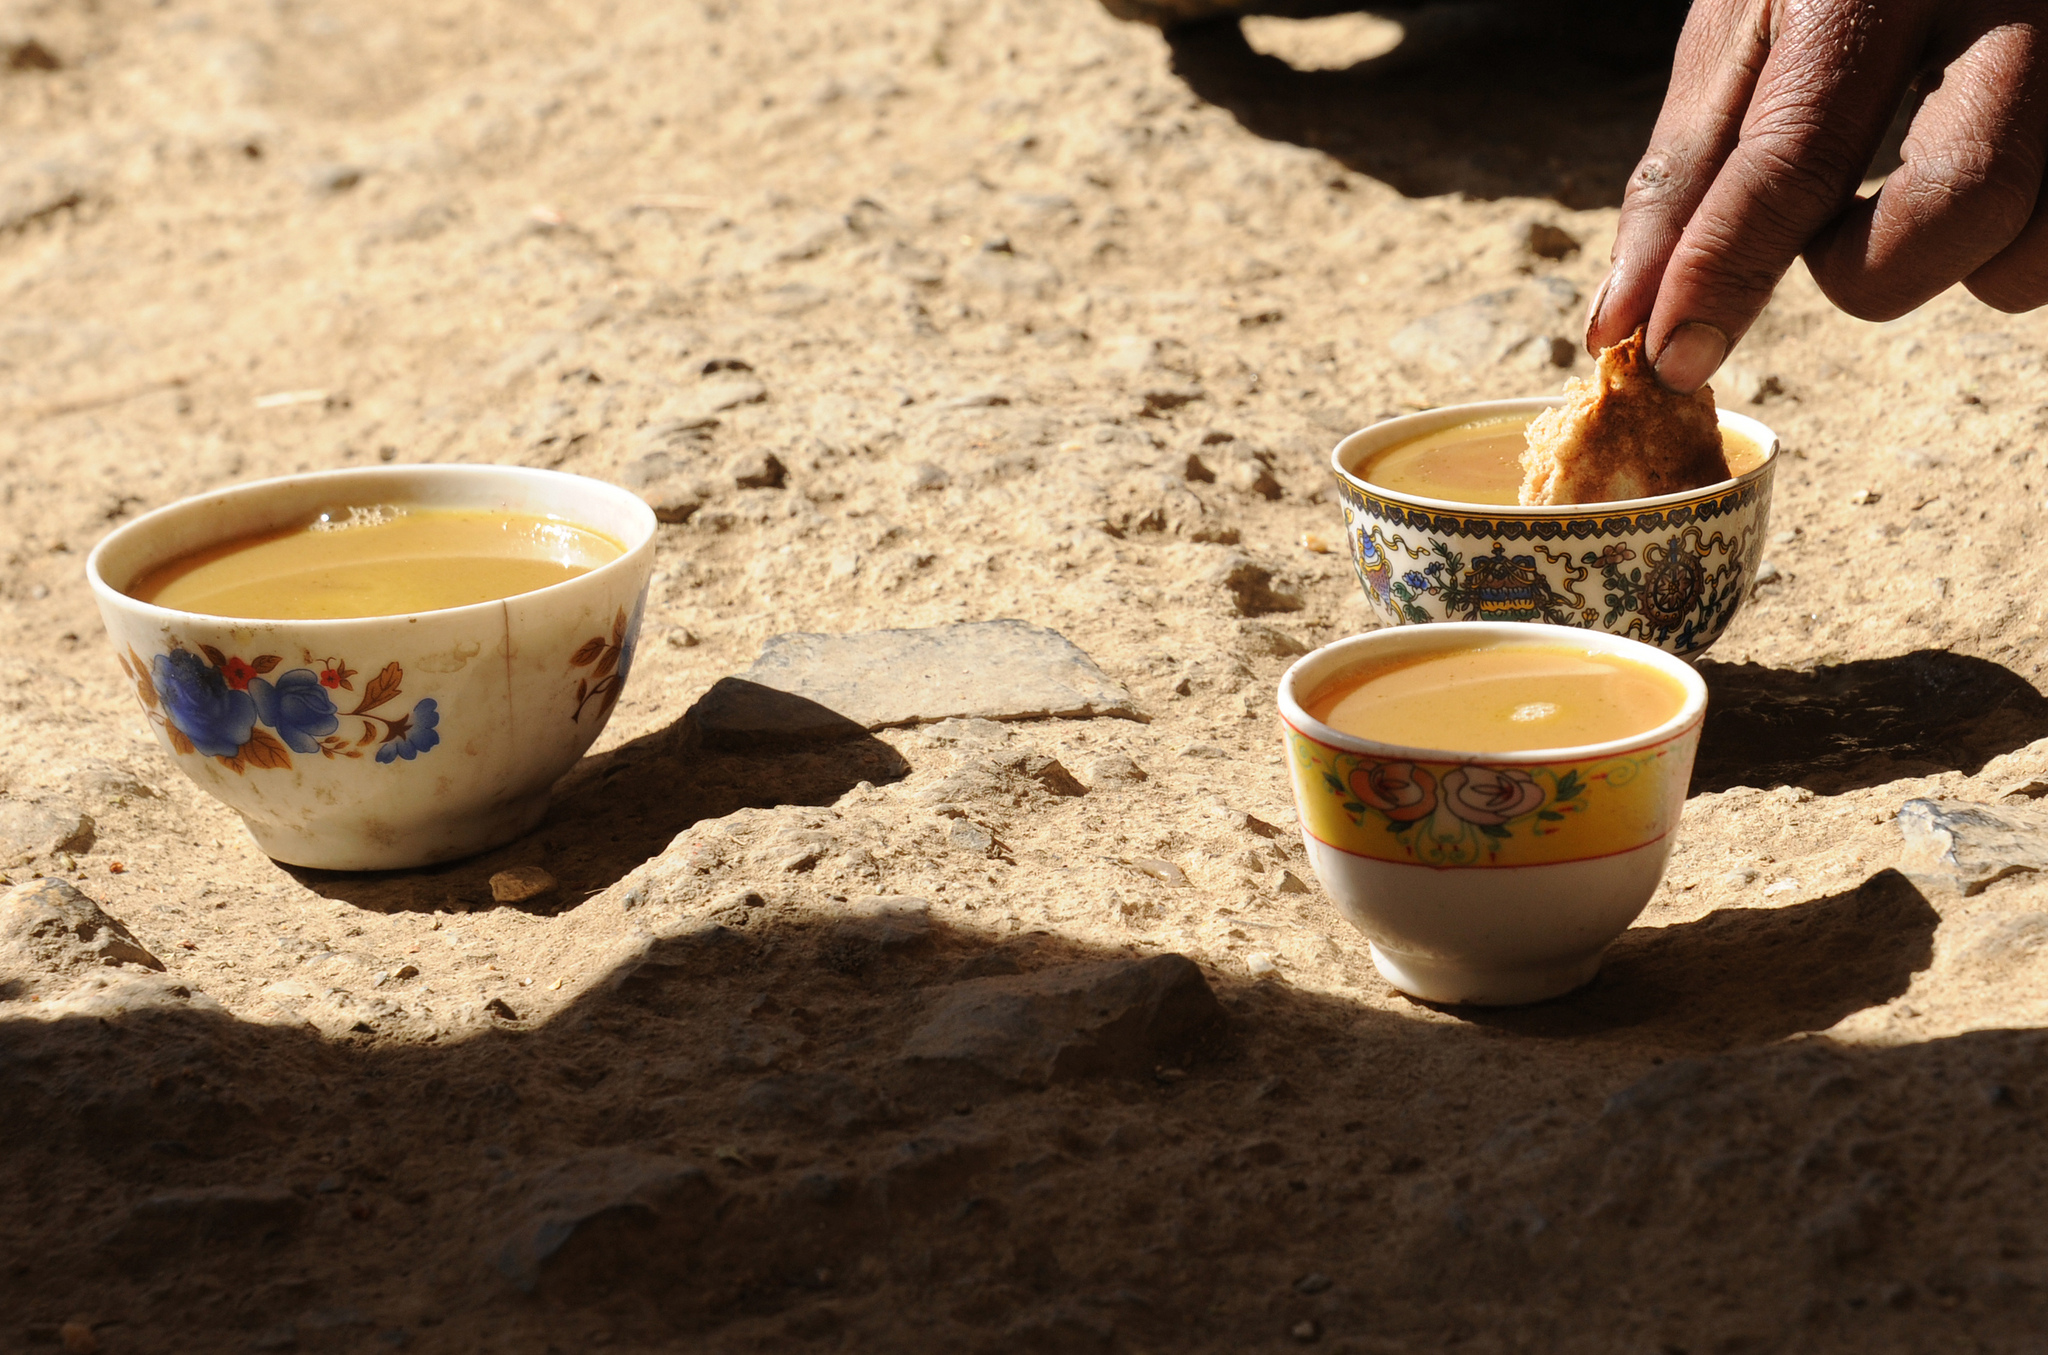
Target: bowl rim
x=1338 y=654
x=638 y=541
x=1403 y=427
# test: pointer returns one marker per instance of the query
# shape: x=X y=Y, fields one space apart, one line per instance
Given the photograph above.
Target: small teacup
x=1670 y=570
x=1487 y=878
x=373 y=743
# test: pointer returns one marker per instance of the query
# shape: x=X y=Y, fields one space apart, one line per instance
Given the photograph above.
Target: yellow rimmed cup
x=1478 y=877
x=379 y=742
x=1671 y=571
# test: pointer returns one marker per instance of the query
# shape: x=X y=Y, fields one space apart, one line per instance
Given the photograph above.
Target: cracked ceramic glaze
x=373 y=743
x=1669 y=571
x=1481 y=877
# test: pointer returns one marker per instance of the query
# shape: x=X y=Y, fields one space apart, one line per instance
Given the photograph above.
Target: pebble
x=520 y=883
x=1213 y=751
x=1267 y=641
x=1547 y=241
x=78 y=1338
x=49 y=926
x=1307 y=1332
x=757 y=470
x=29 y=831
x=1260 y=964
x=29 y=55
x=1315 y=1282
x=1251 y=587
x=1863 y=498
x=991 y=670
x=673 y=503
x=1287 y=882
x=1162 y=870
x=1767 y=572
x=1119 y=1018
x=971 y=837
x=1114 y=769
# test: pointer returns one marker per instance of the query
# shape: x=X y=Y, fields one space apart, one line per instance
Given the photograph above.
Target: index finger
x=1720 y=54
x=1826 y=94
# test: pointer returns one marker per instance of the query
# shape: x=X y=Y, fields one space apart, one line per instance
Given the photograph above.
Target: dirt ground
x=983 y=277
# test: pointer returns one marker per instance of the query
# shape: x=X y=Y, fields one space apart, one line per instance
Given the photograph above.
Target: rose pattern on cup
x=227 y=708
x=1455 y=813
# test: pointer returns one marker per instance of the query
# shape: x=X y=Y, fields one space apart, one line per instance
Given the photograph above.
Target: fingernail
x=1599 y=300
x=1693 y=353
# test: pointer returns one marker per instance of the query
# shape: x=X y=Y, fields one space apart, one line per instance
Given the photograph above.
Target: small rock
x=1260 y=964
x=690 y=410
x=1315 y=1282
x=29 y=831
x=925 y=478
x=1767 y=572
x=1547 y=241
x=757 y=470
x=1107 y=1019
x=77 y=1338
x=28 y=55
x=1251 y=588
x=1969 y=846
x=520 y=883
x=182 y=1223
x=1212 y=751
x=1287 y=882
x=406 y=971
x=892 y=922
x=1050 y=774
x=992 y=670
x=1525 y=323
x=1162 y=870
x=736 y=715
x=332 y=180
x=1863 y=498
x=673 y=502
x=1114 y=769
x=1307 y=1332
x=1746 y=385
x=602 y=1214
x=1266 y=641
x=1249 y=475
x=971 y=837
x=1157 y=400
x=1197 y=471
x=501 y=1009
x=48 y=926
x=831 y=1100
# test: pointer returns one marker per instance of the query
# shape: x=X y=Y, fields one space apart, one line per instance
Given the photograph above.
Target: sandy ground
x=995 y=272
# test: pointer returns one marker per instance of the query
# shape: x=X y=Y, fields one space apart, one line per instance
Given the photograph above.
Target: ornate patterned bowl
x=381 y=742
x=1488 y=878
x=1670 y=571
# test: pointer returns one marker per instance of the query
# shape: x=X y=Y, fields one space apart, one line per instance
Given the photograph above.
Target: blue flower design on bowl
x=411 y=735
x=297 y=707
x=213 y=716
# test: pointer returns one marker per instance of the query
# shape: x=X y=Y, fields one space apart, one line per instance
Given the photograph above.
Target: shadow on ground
x=1746 y=976
x=1853 y=725
x=615 y=810
x=1505 y=100
x=691 y=1152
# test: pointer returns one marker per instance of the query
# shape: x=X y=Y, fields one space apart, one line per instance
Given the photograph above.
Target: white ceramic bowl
x=1670 y=571
x=1487 y=878
x=381 y=742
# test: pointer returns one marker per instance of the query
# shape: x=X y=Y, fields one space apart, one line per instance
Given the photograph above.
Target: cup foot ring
x=1465 y=985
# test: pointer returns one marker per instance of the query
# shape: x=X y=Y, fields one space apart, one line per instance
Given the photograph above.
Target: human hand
x=1775 y=110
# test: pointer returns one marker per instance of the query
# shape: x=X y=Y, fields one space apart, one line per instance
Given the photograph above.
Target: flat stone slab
x=989 y=670
x=1970 y=846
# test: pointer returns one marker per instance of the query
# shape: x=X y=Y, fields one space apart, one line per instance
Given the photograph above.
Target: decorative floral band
x=1472 y=814
x=227 y=708
x=1677 y=516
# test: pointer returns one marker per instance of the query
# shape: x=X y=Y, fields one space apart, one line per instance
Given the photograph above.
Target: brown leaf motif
x=602 y=657
x=263 y=663
x=214 y=656
x=179 y=743
x=588 y=652
x=380 y=688
x=265 y=750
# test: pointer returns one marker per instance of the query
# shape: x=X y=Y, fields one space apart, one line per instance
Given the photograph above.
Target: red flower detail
x=238 y=674
x=329 y=678
x=1402 y=791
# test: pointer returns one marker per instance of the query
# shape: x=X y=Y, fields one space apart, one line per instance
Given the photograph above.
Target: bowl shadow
x=1742 y=977
x=1855 y=725
x=616 y=809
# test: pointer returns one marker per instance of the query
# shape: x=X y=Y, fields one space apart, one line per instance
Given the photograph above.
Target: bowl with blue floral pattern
x=381 y=742
x=1670 y=571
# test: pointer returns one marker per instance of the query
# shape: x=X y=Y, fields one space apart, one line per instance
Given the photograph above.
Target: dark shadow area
x=690 y=1151
x=1521 y=98
x=1490 y=101
x=759 y=749
x=1853 y=725
x=1746 y=976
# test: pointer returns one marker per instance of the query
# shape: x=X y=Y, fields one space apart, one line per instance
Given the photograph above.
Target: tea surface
x=1481 y=462
x=377 y=562
x=1507 y=697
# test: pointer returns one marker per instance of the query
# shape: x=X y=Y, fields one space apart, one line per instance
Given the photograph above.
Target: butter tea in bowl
x=1491 y=804
x=386 y=667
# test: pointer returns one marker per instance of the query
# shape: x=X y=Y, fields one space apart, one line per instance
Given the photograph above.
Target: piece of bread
x=1621 y=435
